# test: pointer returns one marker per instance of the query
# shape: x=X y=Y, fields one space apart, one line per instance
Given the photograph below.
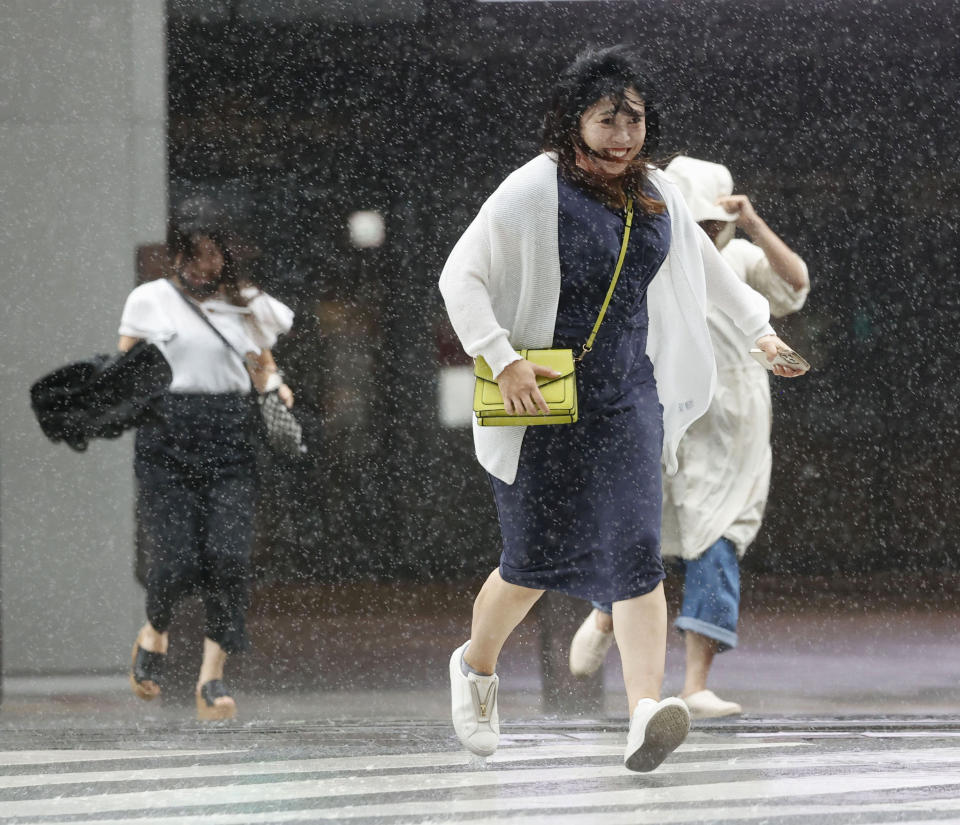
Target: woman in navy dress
x=601 y=532
x=581 y=512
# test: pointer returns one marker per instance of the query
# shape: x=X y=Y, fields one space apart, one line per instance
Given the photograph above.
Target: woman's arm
x=465 y=286
x=788 y=266
x=266 y=375
x=746 y=307
x=126 y=342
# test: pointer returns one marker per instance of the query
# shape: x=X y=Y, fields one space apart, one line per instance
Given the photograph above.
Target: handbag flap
x=557 y=392
x=560 y=360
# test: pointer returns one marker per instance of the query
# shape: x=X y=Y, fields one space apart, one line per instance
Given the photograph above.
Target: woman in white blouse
x=195 y=460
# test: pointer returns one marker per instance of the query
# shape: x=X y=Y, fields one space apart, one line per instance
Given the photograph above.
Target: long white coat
x=501 y=286
x=721 y=487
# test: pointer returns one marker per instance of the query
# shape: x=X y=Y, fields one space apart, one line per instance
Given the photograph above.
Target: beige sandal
x=146 y=671
x=207 y=708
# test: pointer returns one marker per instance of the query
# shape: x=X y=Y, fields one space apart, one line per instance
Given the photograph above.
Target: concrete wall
x=82 y=184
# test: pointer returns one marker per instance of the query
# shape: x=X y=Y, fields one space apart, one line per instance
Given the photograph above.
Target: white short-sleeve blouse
x=200 y=361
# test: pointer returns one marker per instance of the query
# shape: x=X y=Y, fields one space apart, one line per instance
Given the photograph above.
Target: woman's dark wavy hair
x=602 y=74
x=182 y=239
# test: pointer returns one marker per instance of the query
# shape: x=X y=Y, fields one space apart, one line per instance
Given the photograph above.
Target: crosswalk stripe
x=739 y=791
x=743 y=814
x=457 y=759
x=339 y=764
x=20 y=758
x=536 y=778
x=635 y=817
x=354 y=785
x=814 y=812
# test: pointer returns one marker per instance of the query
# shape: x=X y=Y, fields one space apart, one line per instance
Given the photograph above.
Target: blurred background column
x=83 y=148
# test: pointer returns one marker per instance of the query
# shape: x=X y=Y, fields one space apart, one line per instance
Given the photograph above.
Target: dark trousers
x=195 y=506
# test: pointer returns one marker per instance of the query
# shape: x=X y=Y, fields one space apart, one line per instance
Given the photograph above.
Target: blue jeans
x=711 y=595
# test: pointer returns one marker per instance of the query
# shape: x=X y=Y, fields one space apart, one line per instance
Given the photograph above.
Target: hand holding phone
x=784 y=357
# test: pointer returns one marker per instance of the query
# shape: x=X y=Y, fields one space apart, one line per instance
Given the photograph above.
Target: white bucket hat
x=701 y=184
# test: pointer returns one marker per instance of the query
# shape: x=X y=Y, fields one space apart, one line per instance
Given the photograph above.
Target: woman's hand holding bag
x=518 y=386
x=284 y=433
x=518 y=399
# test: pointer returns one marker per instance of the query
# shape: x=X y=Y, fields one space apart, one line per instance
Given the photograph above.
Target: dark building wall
x=837 y=118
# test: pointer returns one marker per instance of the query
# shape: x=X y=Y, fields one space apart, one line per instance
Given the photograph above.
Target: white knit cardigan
x=501 y=286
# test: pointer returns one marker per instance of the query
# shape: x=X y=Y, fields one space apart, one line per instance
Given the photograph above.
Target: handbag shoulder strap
x=616 y=275
x=209 y=323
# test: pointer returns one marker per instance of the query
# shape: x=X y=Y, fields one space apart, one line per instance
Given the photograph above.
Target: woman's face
x=202 y=271
x=616 y=136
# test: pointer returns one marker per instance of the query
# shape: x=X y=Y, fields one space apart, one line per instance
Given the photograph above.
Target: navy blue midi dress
x=583 y=516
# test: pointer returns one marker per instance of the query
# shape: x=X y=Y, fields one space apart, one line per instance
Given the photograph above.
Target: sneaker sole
x=665 y=732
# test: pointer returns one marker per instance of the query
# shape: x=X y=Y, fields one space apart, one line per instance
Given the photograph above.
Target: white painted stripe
x=756 y=791
x=739 y=791
x=698 y=816
x=570 y=750
x=14 y=758
x=353 y=785
x=806 y=734
x=590 y=818
x=688 y=747
x=769 y=814
x=322 y=765
x=911 y=758
x=639 y=816
x=926 y=806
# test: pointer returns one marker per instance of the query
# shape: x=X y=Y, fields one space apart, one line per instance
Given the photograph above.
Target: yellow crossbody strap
x=616 y=274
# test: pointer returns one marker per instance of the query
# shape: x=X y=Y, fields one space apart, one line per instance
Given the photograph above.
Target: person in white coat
x=579 y=504
x=713 y=505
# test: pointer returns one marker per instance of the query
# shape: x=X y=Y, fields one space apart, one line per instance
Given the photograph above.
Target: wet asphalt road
x=851 y=717
x=97 y=756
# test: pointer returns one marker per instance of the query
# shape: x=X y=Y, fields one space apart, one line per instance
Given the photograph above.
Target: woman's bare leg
x=153 y=640
x=640 y=625
x=700 y=652
x=498 y=609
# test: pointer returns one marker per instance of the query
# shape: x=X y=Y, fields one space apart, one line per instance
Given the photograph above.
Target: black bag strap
x=209 y=323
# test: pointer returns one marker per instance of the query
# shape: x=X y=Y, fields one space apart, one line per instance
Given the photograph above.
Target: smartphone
x=786 y=358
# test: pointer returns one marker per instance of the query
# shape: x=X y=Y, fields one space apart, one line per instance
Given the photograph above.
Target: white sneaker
x=589 y=647
x=657 y=729
x=705 y=704
x=474 y=707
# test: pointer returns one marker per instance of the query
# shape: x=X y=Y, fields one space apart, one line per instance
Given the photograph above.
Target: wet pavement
x=798 y=770
x=850 y=717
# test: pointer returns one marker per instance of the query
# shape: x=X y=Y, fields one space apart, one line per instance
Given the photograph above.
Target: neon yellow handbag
x=559 y=393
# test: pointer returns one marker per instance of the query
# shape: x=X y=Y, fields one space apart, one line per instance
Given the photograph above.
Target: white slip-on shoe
x=705 y=704
x=473 y=701
x=657 y=729
x=589 y=647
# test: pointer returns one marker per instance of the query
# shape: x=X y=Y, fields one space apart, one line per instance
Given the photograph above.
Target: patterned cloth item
x=283 y=431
